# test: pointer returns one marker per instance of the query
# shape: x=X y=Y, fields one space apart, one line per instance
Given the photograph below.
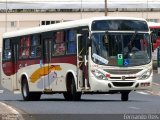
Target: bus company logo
x=123 y=77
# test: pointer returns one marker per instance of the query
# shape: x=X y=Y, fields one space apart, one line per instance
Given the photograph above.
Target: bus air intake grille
x=120 y=72
x=122 y=84
x=120 y=78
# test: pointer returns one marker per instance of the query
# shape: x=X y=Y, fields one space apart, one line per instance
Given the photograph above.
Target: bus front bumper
x=119 y=85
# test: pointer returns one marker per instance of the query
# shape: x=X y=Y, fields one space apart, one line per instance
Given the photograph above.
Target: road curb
x=7 y=112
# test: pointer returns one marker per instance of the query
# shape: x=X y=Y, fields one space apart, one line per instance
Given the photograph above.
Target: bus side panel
x=66 y=64
x=59 y=83
x=27 y=68
x=7 y=75
x=54 y=77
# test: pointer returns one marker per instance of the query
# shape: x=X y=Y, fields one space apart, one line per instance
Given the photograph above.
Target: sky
x=76 y=4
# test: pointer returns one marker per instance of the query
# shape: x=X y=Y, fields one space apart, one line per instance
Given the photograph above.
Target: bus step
x=47 y=91
x=17 y=91
x=87 y=88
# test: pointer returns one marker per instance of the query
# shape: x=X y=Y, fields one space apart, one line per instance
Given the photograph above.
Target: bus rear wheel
x=124 y=96
x=27 y=95
x=72 y=94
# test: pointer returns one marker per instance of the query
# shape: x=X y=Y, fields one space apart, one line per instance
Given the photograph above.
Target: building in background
x=22 y=14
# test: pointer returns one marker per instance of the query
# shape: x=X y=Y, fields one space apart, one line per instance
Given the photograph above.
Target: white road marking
x=154 y=92
x=136 y=108
x=11 y=110
x=144 y=93
x=1 y=91
x=156 y=84
x=17 y=92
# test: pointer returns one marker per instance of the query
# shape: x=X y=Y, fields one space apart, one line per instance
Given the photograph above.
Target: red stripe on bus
x=10 y=69
x=154 y=26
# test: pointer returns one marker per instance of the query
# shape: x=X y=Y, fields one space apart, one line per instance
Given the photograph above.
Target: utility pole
x=6 y=17
x=147 y=9
x=81 y=9
x=106 y=10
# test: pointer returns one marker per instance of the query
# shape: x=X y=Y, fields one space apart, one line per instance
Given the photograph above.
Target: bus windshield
x=121 y=49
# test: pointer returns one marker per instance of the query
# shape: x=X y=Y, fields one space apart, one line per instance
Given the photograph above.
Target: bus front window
x=134 y=48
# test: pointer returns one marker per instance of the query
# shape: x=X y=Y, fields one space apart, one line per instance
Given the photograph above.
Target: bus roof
x=63 y=25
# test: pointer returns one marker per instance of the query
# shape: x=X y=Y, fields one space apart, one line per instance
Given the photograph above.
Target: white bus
x=97 y=55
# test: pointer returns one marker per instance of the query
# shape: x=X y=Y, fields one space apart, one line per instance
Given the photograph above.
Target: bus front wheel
x=27 y=95
x=72 y=94
x=124 y=96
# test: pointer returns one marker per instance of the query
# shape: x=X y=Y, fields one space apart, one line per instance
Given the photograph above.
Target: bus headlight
x=99 y=75
x=146 y=74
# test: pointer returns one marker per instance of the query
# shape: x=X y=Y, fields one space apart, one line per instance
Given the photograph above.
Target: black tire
x=29 y=96
x=76 y=96
x=124 y=96
x=72 y=94
x=67 y=95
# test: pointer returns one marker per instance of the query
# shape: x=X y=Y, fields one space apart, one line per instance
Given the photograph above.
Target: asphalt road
x=146 y=104
x=97 y=105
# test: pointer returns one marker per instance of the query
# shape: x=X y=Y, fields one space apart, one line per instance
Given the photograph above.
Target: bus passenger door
x=15 y=65
x=82 y=63
x=47 y=54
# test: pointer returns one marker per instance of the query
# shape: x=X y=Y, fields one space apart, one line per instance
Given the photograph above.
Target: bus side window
x=7 y=49
x=71 y=41
x=21 y=49
x=59 y=44
x=158 y=34
x=24 y=47
x=35 y=46
x=27 y=46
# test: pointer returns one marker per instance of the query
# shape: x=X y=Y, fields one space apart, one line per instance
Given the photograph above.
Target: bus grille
x=122 y=84
x=120 y=78
x=120 y=72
